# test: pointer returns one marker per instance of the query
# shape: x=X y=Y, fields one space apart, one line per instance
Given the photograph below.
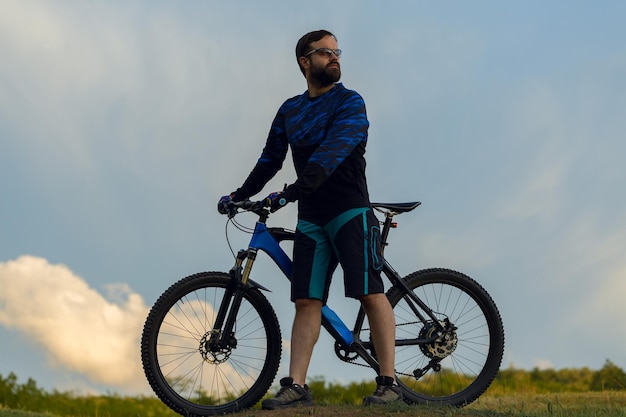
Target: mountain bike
x=211 y=343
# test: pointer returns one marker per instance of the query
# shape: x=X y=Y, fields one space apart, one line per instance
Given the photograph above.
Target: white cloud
x=82 y=331
x=78 y=328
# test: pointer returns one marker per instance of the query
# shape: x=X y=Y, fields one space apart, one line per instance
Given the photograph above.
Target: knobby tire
x=184 y=372
x=470 y=357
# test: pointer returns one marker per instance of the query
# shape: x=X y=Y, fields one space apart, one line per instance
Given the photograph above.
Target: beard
x=325 y=76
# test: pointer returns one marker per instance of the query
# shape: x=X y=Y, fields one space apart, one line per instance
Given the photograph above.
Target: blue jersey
x=327 y=136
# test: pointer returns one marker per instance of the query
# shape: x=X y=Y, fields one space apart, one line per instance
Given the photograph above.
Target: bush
x=610 y=377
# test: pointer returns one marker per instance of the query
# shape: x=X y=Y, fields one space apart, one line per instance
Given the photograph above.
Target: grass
x=17 y=413
x=590 y=404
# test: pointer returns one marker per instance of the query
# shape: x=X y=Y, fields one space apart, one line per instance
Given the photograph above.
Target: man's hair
x=304 y=44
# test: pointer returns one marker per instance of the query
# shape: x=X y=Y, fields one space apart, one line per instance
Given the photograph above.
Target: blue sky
x=122 y=123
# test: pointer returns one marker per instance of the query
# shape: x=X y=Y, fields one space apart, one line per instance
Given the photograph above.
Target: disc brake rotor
x=211 y=354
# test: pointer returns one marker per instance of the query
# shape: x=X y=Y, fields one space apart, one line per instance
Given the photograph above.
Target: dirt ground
x=397 y=410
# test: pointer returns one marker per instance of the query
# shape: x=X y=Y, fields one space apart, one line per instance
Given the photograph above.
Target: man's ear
x=304 y=62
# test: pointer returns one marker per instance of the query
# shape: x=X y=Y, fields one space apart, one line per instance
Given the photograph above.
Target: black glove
x=224 y=206
x=275 y=201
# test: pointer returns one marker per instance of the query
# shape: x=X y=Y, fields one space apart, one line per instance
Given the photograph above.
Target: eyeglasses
x=325 y=51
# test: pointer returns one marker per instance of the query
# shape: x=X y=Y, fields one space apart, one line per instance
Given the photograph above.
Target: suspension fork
x=222 y=334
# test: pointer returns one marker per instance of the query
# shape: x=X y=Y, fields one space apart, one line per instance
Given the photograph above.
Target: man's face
x=324 y=68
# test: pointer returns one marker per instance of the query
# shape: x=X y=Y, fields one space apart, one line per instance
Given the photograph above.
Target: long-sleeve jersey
x=327 y=135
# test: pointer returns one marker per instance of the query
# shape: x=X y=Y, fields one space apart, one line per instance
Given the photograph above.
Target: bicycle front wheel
x=186 y=372
x=460 y=364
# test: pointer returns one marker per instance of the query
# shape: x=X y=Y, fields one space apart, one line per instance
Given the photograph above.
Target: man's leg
x=313 y=265
x=304 y=335
x=383 y=328
x=382 y=325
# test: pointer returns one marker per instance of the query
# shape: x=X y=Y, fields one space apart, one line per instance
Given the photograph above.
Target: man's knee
x=308 y=304
x=374 y=301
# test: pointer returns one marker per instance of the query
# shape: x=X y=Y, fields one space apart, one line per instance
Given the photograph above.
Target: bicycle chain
x=353 y=361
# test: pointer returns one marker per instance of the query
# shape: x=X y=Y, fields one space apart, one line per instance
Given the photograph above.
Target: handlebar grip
x=250 y=205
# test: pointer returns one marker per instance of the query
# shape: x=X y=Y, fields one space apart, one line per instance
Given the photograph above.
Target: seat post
x=387 y=224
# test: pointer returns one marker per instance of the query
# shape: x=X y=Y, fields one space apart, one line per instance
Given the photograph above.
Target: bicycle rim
x=189 y=376
x=464 y=362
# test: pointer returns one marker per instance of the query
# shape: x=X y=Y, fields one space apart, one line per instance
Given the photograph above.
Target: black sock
x=384 y=380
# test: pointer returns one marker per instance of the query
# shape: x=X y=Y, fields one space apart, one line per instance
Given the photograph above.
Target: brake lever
x=231 y=209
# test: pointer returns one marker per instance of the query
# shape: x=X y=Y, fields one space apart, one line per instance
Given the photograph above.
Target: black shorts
x=351 y=239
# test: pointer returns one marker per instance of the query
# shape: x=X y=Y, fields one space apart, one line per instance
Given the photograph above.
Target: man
x=326 y=128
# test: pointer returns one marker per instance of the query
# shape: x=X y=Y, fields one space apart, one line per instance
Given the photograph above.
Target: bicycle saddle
x=397 y=207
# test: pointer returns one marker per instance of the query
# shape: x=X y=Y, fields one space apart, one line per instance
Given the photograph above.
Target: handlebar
x=260 y=208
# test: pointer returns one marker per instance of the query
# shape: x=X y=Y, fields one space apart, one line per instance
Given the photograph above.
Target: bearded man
x=326 y=129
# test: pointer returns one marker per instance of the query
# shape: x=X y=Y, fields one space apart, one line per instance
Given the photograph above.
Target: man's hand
x=224 y=206
x=275 y=201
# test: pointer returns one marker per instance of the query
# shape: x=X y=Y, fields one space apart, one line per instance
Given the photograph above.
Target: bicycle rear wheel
x=190 y=376
x=459 y=365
